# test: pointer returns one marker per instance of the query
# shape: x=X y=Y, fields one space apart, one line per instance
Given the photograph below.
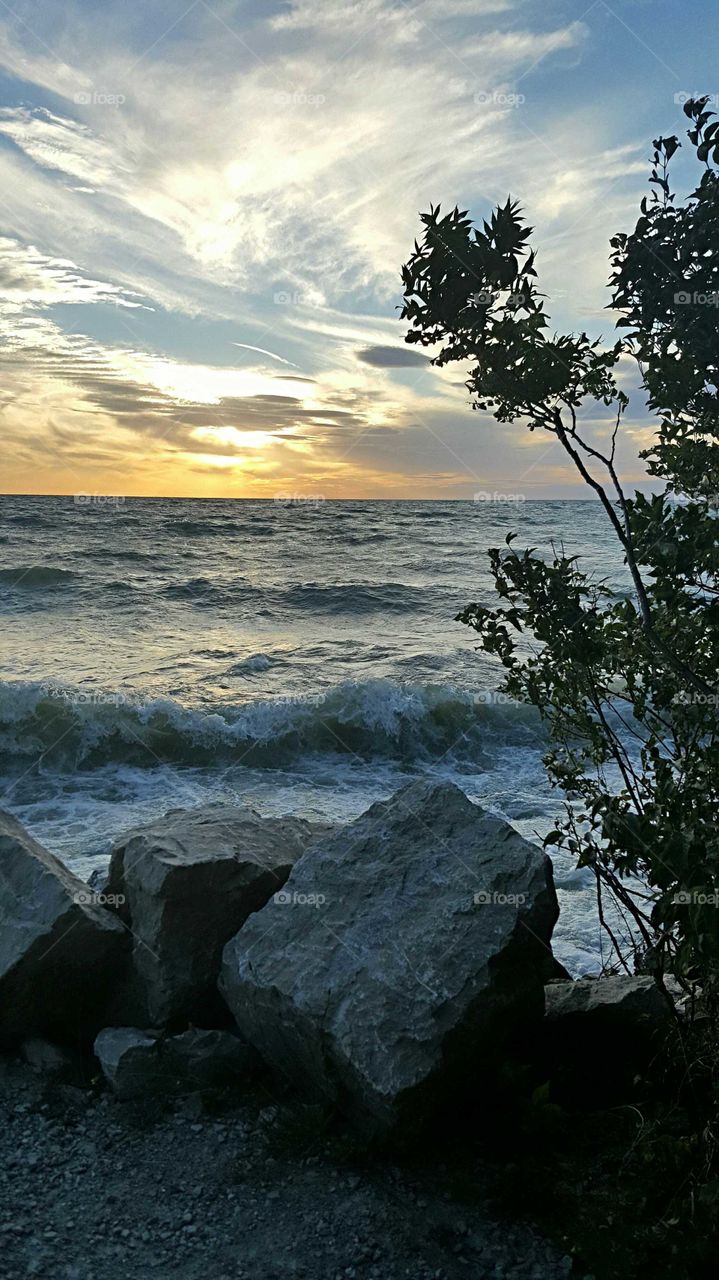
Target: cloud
x=512 y=48
x=391 y=357
x=405 y=19
x=30 y=279
x=286 y=162
x=56 y=142
x=260 y=169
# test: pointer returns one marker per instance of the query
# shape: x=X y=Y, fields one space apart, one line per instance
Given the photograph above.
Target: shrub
x=626 y=682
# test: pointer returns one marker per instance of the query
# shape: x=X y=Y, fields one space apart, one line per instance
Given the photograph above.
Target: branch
x=565 y=437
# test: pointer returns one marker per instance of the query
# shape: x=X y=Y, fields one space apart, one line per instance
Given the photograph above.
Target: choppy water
x=299 y=657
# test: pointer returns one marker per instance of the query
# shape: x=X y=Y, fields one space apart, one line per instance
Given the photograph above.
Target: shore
x=91 y=1188
x=269 y=1047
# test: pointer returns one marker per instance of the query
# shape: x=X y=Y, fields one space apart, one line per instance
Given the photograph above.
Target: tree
x=626 y=683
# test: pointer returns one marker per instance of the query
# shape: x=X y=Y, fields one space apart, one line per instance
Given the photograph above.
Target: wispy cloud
x=259 y=169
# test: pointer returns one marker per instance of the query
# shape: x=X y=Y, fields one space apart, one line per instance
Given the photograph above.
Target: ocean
x=297 y=655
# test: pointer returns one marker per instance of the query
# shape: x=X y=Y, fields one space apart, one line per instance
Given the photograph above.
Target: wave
x=363 y=540
x=210 y=529
x=29 y=521
x=203 y=593
x=255 y=662
x=421 y=513
x=195 y=528
x=107 y=555
x=330 y=598
x=87 y=728
x=29 y=577
x=355 y=597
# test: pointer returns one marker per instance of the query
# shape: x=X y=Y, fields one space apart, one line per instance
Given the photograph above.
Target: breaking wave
x=86 y=728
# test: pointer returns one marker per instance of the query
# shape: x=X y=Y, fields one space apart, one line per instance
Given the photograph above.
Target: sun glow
x=233 y=437
x=206 y=384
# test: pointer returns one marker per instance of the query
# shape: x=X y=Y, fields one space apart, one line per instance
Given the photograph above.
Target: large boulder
x=400 y=955
x=187 y=882
x=139 y=1063
x=60 y=953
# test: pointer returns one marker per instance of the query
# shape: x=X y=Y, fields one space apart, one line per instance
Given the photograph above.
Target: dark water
x=301 y=657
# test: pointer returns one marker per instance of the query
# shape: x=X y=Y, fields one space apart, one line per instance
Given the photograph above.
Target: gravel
x=96 y=1189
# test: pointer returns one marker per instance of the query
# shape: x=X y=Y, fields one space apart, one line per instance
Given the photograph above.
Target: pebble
x=89 y=1184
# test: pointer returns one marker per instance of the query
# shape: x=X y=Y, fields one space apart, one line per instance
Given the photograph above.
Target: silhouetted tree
x=627 y=683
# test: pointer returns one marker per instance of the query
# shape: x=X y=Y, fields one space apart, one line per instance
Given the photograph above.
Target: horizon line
x=289 y=499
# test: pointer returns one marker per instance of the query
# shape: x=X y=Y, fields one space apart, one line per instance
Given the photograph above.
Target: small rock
x=50 y=1059
x=140 y=1063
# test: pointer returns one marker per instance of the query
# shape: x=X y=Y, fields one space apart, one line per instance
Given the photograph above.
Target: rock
x=599 y=1035
x=201 y=1059
x=140 y=1063
x=130 y=1060
x=189 y=881
x=402 y=952
x=97 y=879
x=47 y=1059
x=59 y=951
x=620 y=999
x=555 y=971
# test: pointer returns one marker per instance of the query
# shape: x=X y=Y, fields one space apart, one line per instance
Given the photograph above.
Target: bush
x=625 y=682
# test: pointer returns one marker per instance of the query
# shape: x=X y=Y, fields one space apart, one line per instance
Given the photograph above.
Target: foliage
x=626 y=682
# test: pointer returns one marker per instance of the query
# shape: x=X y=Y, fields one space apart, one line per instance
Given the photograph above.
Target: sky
x=205 y=207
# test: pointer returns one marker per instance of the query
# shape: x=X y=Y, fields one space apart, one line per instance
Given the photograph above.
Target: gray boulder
x=60 y=952
x=600 y=1036
x=187 y=882
x=619 y=1000
x=139 y=1063
x=401 y=954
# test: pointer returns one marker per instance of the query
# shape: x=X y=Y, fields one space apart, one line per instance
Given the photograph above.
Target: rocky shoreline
x=93 y=1189
x=234 y=979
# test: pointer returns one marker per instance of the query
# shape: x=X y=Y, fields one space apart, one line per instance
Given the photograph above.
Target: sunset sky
x=206 y=207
